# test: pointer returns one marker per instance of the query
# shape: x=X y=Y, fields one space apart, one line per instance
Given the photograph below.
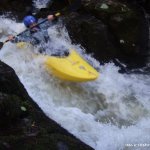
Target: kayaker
x=37 y=36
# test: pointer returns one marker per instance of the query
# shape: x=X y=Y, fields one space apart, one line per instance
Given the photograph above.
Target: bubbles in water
x=41 y=3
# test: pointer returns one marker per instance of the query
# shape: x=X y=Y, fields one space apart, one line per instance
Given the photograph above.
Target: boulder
x=92 y=34
x=23 y=125
x=111 y=29
x=15 y=8
x=145 y=4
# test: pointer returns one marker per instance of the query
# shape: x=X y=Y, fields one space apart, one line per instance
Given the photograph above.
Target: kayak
x=71 y=68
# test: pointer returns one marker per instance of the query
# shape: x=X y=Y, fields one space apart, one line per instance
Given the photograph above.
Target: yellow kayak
x=71 y=68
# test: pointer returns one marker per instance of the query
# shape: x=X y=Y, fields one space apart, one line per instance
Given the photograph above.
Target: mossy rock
x=11 y=109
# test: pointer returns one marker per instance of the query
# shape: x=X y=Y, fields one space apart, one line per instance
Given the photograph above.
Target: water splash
x=40 y=4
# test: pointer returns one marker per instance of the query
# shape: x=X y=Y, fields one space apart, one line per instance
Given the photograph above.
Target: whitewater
x=110 y=113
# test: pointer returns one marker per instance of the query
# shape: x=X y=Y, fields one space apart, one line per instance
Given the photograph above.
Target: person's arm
x=13 y=39
x=21 y=38
x=48 y=23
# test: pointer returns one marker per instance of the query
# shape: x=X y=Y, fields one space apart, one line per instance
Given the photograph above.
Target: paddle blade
x=1 y=44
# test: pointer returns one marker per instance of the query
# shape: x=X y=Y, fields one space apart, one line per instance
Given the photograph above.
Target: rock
x=92 y=34
x=10 y=109
x=18 y=8
x=111 y=29
x=147 y=6
x=23 y=124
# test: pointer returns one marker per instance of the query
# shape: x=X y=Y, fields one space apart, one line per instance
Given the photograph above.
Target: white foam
x=40 y=3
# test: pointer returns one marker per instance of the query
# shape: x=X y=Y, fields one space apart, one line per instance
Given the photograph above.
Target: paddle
x=73 y=7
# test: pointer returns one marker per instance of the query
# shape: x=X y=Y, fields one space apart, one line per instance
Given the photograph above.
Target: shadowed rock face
x=147 y=6
x=93 y=34
x=15 y=8
x=23 y=125
x=140 y=3
x=111 y=29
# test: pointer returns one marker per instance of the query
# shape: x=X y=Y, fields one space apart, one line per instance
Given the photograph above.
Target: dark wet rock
x=145 y=4
x=62 y=146
x=16 y=9
x=111 y=29
x=92 y=34
x=59 y=4
x=23 y=125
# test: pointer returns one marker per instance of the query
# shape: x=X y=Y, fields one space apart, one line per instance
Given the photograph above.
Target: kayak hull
x=71 y=68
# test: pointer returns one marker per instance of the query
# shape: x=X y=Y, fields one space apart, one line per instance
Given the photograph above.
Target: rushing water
x=40 y=4
x=107 y=114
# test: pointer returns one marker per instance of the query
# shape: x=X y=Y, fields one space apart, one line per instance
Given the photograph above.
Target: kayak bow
x=71 y=68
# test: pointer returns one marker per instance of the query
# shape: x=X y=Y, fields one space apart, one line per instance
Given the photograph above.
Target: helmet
x=28 y=20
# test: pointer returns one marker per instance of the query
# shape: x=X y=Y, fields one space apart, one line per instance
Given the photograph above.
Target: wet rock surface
x=15 y=8
x=23 y=125
x=140 y=3
x=111 y=29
